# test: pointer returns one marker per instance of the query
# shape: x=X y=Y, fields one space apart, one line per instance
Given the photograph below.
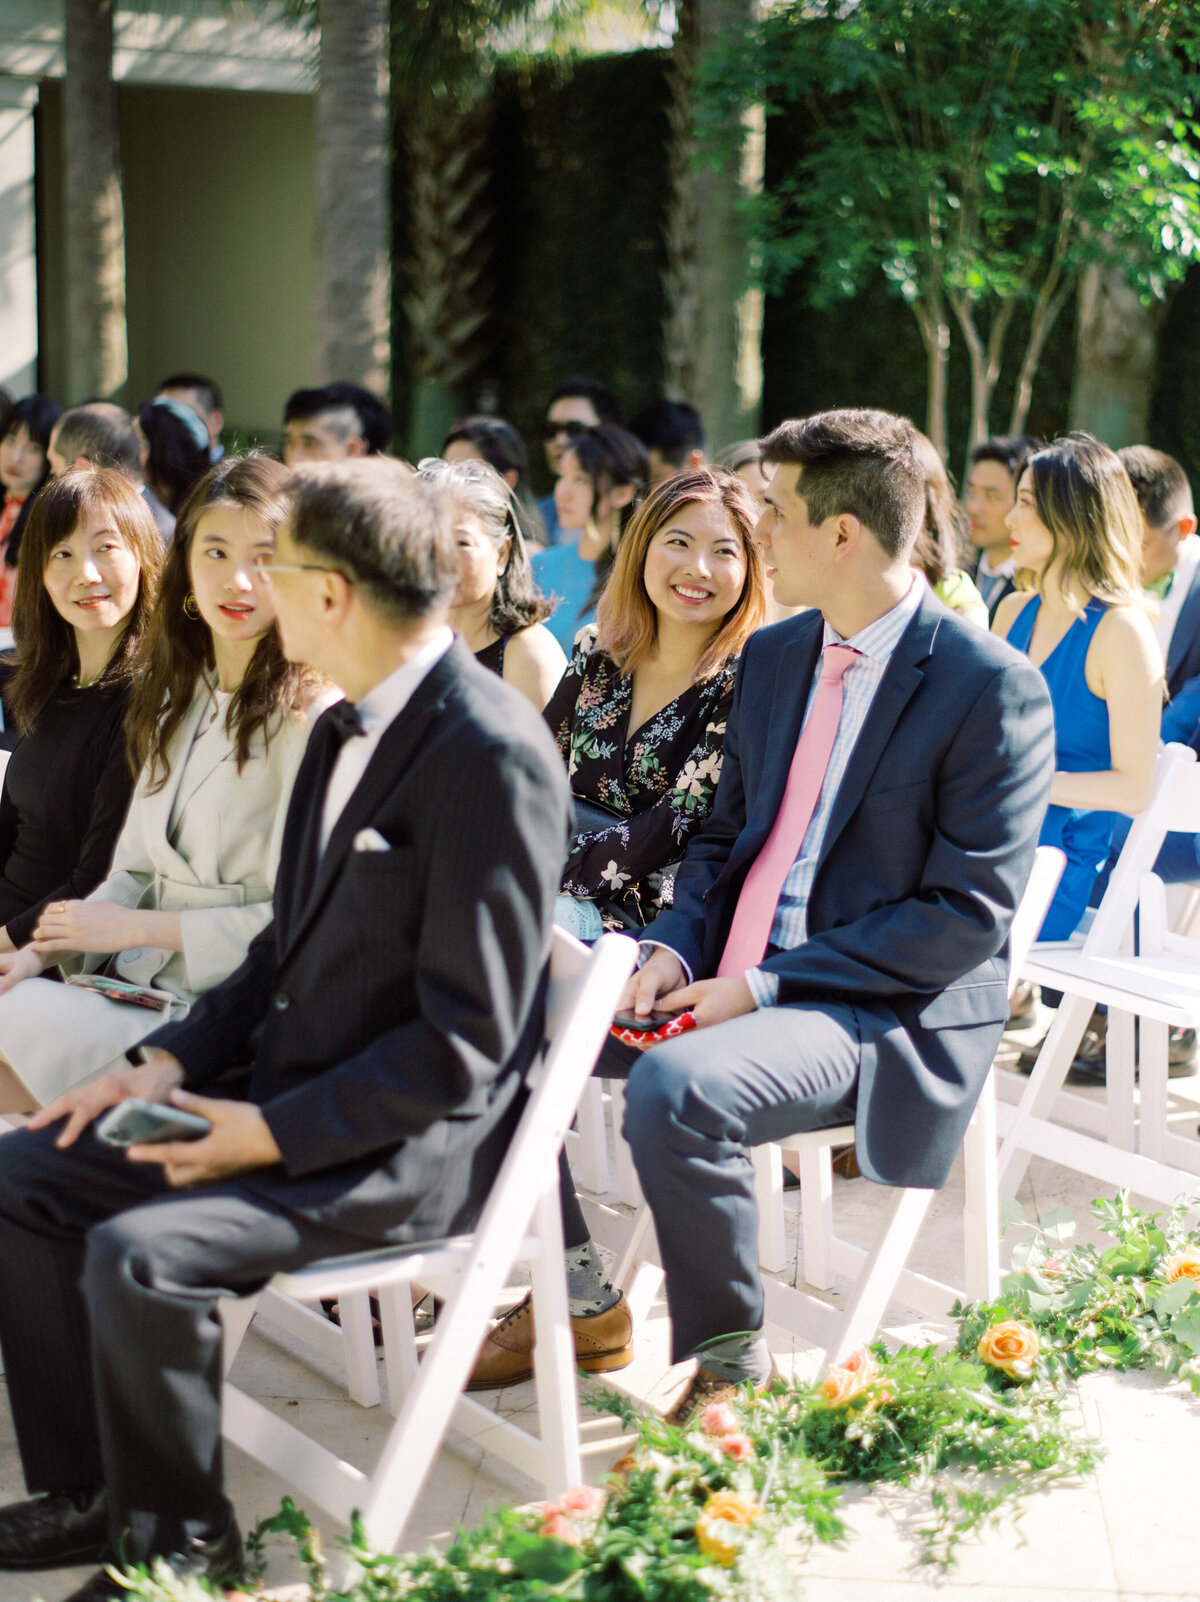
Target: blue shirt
x=565 y=578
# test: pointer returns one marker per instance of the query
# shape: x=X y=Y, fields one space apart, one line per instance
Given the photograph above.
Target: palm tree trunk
x=1116 y=357
x=97 y=355
x=713 y=323
x=353 y=292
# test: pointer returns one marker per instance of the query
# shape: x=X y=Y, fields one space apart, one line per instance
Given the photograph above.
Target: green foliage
x=972 y=155
x=1134 y=1304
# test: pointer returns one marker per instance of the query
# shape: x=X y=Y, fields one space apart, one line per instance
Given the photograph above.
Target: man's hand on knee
x=240 y=1139
x=151 y=1081
x=712 y=1001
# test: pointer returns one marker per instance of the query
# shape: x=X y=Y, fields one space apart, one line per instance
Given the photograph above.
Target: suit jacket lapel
x=388 y=762
x=1187 y=625
x=159 y=804
x=901 y=678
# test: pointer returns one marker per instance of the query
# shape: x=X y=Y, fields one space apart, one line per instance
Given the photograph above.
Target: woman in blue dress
x=1079 y=617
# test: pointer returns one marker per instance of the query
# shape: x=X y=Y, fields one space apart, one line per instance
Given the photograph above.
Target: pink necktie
x=755 y=910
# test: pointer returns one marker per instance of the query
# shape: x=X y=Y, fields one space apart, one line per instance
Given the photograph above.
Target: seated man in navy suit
x=874 y=985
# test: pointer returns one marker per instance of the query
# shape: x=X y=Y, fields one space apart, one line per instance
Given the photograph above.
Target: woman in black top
x=90 y=563
x=640 y=712
x=497 y=608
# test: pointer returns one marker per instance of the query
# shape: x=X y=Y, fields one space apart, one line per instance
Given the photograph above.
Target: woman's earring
x=190 y=609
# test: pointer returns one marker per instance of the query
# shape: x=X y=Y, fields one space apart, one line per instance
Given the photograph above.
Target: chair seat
x=1164 y=987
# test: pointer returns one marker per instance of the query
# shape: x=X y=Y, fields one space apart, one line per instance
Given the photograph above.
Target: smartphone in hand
x=148 y=1123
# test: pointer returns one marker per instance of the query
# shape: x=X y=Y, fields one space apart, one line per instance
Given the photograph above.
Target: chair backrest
x=1048 y=865
x=583 y=992
x=1174 y=805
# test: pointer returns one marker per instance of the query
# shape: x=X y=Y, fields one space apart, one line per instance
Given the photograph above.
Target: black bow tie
x=344 y=717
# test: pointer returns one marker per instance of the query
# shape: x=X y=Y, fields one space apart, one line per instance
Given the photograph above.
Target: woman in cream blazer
x=194 y=867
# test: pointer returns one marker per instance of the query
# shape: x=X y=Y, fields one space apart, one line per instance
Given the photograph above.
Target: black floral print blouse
x=663 y=776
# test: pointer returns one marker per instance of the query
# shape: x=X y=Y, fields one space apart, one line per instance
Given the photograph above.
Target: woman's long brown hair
x=178 y=649
x=46 y=650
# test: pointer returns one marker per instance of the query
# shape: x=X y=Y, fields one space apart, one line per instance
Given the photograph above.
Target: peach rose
x=1011 y=1347
x=1183 y=1265
x=722 y=1515
x=582 y=1502
x=739 y=1447
x=1052 y=1267
x=558 y=1528
x=849 y=1380
x=718 y=1418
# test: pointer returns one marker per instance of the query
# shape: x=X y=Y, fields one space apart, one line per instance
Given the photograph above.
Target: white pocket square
x=370 y=840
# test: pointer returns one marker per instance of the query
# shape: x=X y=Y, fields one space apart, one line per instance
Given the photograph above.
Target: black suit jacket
x=924 y=861
x=394 y=1008
x=1183 y=654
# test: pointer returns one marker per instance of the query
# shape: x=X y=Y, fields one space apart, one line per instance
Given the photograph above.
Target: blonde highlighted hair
x=1086 y=502
x=626 y=617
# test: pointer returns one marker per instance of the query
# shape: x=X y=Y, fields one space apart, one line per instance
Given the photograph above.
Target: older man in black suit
x=387 y=1018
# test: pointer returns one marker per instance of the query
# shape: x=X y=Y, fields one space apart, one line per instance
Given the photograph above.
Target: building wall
x=219 y=242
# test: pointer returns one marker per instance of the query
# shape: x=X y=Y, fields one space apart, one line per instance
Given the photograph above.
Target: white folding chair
x=521 y=1222
x=1091 y=1138
x=880 y=1271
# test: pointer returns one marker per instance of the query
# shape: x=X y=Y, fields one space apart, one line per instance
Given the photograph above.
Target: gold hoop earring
x=190 y=608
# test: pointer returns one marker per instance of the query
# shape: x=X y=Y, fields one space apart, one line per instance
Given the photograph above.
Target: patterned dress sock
x=741 y=1359
x=588 y=1289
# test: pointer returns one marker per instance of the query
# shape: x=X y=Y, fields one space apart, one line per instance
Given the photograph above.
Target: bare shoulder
x=1126 y=628
x=536 y=645
x=1009 y=611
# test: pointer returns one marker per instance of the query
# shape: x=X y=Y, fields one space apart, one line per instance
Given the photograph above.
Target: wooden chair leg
x=358 y=1347
x=1153 y=1053
x=1045 y=1082
x=981 y=1212
x=815 y=1162
x=589 y=1161
x=768 y=1191
x=554 y=1354
x=869 y=1300
x=399 y=1343
x=1119 y=1077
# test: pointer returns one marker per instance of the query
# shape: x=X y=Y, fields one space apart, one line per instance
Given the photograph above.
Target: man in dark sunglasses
x=577 y=404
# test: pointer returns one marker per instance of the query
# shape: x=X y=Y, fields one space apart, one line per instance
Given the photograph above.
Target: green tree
x=980 y=155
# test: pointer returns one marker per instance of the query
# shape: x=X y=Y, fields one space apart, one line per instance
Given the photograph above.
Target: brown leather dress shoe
x=705 y=1386
x=603 y=1343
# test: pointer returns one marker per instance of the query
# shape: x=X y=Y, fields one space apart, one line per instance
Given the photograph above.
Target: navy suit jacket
x=393 y=1007
x=924 y=861
x=1183 y=654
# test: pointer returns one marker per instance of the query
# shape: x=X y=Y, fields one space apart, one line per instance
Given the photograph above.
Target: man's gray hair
x=371 y=519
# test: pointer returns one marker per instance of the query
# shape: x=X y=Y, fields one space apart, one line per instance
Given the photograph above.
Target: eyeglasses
x=572 y=429
x=269 y=569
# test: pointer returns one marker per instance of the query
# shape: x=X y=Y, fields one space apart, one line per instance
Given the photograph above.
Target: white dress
x=205 y=845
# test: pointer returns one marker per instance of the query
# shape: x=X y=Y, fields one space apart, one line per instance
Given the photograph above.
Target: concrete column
x=18 y=262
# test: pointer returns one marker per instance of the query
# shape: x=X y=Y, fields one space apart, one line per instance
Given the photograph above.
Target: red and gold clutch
x=644 y=1032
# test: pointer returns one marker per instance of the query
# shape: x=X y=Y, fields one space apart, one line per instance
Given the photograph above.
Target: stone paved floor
x=1131 y=1531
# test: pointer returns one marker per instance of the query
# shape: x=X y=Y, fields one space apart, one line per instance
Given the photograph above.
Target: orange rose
x=558 y=1528
x=1011 y=1347
x=842 y=1384
x=1183 y=1265
x=721 y=1517
x=739 y=1447
x=582 y=1502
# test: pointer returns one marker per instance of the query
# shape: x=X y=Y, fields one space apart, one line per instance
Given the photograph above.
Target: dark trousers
x=693 y=1106
x=109 y=1283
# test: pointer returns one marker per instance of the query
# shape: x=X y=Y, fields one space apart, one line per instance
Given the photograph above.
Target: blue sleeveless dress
x=1081 y=746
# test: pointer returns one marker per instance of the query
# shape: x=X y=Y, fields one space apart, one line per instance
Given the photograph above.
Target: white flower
x=691 y=780
x=613 y=877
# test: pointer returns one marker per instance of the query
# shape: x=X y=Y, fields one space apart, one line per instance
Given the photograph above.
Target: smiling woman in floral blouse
x=640 y=712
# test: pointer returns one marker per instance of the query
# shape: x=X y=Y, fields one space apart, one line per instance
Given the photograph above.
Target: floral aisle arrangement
x=1132 y=1304
x=724 y=1508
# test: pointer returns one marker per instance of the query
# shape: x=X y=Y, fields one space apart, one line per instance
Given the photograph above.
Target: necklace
x=81 y=683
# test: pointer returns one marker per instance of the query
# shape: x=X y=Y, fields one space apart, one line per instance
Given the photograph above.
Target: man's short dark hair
x=1159 y=483
x=103 y=435
x=857 y=461
x=673 y=428
x=1012 y=451
x=604 y=402
x=383 y=528
x=374 y=420
x=208 y=390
